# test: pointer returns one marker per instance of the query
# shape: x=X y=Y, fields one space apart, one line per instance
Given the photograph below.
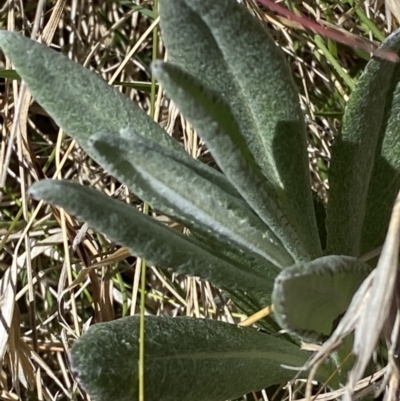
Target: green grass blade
x=178 y=191
x=149 y=239
x=9 y=74
x=187 y=359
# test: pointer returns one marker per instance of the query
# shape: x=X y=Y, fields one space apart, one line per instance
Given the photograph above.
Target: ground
x=118 y=39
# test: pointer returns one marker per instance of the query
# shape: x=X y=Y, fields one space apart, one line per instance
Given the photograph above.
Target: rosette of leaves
x=254 y=228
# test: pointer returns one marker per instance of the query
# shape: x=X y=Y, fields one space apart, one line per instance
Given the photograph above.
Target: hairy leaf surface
x=310 y=298
x=149 y=239
x=82 y=103
x=176 y=189
x=235 y=56
x=213 y=120
x=364 y=176
x=186 y=359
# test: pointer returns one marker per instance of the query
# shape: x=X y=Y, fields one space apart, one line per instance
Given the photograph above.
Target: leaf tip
x=5 y=37
x=39 y=190
x=34 y=190
x=157 y=66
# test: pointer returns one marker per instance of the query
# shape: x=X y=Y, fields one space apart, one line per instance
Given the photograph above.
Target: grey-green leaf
x=82 y=103
x=214 y=122
x=235 y=56
x=364 y=176
x=310 y=298
x=151 y=240
x=186 y=359
x=179 y=191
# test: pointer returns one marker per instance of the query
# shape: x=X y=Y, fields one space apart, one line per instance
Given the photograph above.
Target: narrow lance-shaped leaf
x=235 y=56
x=186 y=359
x=385 y=178
x=212 y=118
x=364 y=176
x=82 y=103
x=149 y=239
x=310 y=298
x=180 y=192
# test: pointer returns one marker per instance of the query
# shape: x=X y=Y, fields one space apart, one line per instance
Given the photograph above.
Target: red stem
x=337 y=36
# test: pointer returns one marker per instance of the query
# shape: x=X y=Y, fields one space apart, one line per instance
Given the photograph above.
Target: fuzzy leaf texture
x=235 y=56
x=364 y=176
x=187 y=359
x=82 y=103
x=310 y=298
x=213 y=119
x=149 y=239
x=194 y=201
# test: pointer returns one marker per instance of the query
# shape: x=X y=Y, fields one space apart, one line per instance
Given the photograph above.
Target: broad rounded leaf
x=186 y=359
x=310 y=298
